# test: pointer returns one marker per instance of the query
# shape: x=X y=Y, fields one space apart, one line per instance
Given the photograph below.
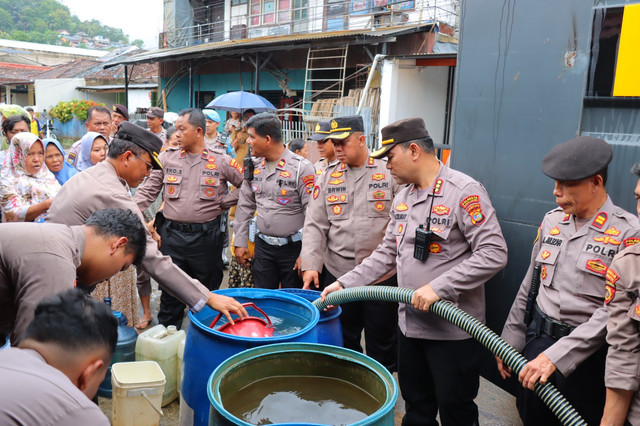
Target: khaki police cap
x=143 y=138
x=343 y=127
x=409 y=129
x=577 y=159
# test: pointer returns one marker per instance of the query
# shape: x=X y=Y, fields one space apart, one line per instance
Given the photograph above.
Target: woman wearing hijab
x=54 y=159
x=27 y=187
x=93 y=149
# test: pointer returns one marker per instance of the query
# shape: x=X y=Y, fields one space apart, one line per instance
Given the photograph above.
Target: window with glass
x=265 y=12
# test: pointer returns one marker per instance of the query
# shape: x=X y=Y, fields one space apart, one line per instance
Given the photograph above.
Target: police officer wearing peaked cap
x=325 y=147
x=144 y=139
x=564 y=339
x=445 y=239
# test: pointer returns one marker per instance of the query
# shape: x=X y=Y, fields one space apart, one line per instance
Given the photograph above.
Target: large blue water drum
x=329 y=326
x=332 y=385
x=294 y=318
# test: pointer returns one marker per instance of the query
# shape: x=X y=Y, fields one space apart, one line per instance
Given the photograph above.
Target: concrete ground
x=497 y=407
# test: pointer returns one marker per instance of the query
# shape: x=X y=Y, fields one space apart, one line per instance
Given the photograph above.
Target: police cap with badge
x=143 y=138
x=343 y=127
x=409 y=129
x=321 y=131
x=122 y=110
x=577 y=159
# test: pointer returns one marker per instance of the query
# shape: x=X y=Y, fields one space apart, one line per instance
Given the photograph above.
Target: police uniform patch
x=284 y=201
x=257 y=171
x=435 y=248
x=436 y=229
x=379 y=206
x=337 y=209
x=545 y=254
x=71 y=158
x=610 y=286
x=172 y=178
x=254 y=188
x=211 y=159
x=285 y=174
x=378 y=176
x=233 y=163
x=209 y=192
x=210 y=181
x=332 y=198
x=437 y=187
x=336 y=174
x=543 y=273
x=264 y=163
x=183 y=153
x=336 y=182
x=309 y=188
x=612 y=231
x=316 y=192
x=319 y=172
x=343 y=197
x=600 y=220
x=471 y=199
x=607 y=240
x=400 y=228
x=441 y=210
x=630 y=241
x=476 y=215
x=371 y=161
x=378 y=195
x=596 y=265
x=283 y=192
x=282 y=163
x=309 y=179
x=211 y=166
x=171 y=189
x=402 y=207
x=638 y=310
x=205 y=153
x=566 y=218
x=343 y=166
x=554 y=231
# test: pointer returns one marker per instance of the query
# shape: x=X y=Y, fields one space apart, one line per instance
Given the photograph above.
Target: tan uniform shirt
x=162 y=135
x=622 y=298
x=347 y=216
x=195 y=188
x=322 y=164
x=99 y=187
x=37 y=261
x=280 y=198
x=574 y=265
x=466 y=250
x=34 y=393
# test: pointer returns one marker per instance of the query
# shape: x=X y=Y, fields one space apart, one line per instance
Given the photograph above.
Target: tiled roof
x=90 y=70
x=19 y=73
x=71 y=69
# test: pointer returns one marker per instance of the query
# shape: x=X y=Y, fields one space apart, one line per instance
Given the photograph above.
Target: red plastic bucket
x=247 y=326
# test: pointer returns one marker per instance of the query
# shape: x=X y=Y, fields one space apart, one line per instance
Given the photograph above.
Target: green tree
x=138 y=42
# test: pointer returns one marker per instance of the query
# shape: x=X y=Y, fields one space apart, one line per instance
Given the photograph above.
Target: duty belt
x=193 y=228
x=549 y=326
x=280 y=241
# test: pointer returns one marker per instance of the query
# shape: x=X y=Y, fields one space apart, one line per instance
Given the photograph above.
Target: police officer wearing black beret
x=564 y=335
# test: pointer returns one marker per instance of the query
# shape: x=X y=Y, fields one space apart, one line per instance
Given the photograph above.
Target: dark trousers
x=584 y=388
x=379 y=320
x=199 y=254
x=273 y=265
x=439 y=376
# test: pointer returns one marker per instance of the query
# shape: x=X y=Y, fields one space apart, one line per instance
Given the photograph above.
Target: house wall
x=50 y=92
x=139 y=99
x=408 y=91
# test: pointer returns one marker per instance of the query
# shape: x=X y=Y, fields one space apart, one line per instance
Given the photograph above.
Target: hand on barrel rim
x=227 y=306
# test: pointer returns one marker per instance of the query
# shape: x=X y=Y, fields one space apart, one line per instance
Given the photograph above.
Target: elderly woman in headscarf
x=27 y=187
x=54 y=159
x=93 y=149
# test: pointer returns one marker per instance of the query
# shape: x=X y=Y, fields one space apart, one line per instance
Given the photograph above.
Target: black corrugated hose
x=483 y=334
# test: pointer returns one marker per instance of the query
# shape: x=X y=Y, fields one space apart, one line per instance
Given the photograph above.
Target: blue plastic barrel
x=125 y=351
x=329 y=326
x=302 y=359
x=206 y=348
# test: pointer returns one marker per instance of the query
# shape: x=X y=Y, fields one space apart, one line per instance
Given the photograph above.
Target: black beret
x=577 y=159
x=122 y=110
x=409 y=129
x=143 y=138
x=343 y=127
x=321 y=131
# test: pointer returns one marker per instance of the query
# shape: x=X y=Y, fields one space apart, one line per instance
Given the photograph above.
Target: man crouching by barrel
x=445 y=238
x=563 y=334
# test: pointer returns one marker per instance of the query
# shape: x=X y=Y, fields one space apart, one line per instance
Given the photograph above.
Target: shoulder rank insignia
x=402 y=207
x=612 y=231
x=371 y=161
x=554 y=231
x=183 y=153
x=281 y=163
x=205 y=153
x=343 y=166
x=566 y=218
x=600 y=220
x=264 y=163
x=630 y=241
x=437 y=187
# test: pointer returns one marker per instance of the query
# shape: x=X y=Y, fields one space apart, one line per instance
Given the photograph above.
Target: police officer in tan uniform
x=133 y=153
x=279 y=193
x=194 y=184
x=346 y=220
x=325 y=147
x=445 y=239
x=577 y=241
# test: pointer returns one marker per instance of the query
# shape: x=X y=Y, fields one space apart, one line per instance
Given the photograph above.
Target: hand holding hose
x=540 y=367
x=335 y=286
x=424 y=297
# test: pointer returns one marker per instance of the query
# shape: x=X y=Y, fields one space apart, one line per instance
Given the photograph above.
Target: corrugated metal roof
x=104 y=87
x=223 y=47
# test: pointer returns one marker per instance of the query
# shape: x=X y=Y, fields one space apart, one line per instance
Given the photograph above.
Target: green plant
x=65 y=111
x=62 y=111
x=80 y=108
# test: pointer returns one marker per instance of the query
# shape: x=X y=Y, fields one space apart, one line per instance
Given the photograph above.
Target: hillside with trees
x=39 y=21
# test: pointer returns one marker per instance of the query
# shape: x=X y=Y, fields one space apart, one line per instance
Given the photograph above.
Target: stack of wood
x=323 y=108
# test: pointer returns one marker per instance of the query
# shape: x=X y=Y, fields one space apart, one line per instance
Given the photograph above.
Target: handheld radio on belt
x=423 y=237
x=248 y=166
x=533 y=294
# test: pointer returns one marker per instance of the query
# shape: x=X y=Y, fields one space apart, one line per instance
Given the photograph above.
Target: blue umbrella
x=240 y=102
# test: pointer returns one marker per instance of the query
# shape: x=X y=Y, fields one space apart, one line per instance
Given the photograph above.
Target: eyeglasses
x=149 y=166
